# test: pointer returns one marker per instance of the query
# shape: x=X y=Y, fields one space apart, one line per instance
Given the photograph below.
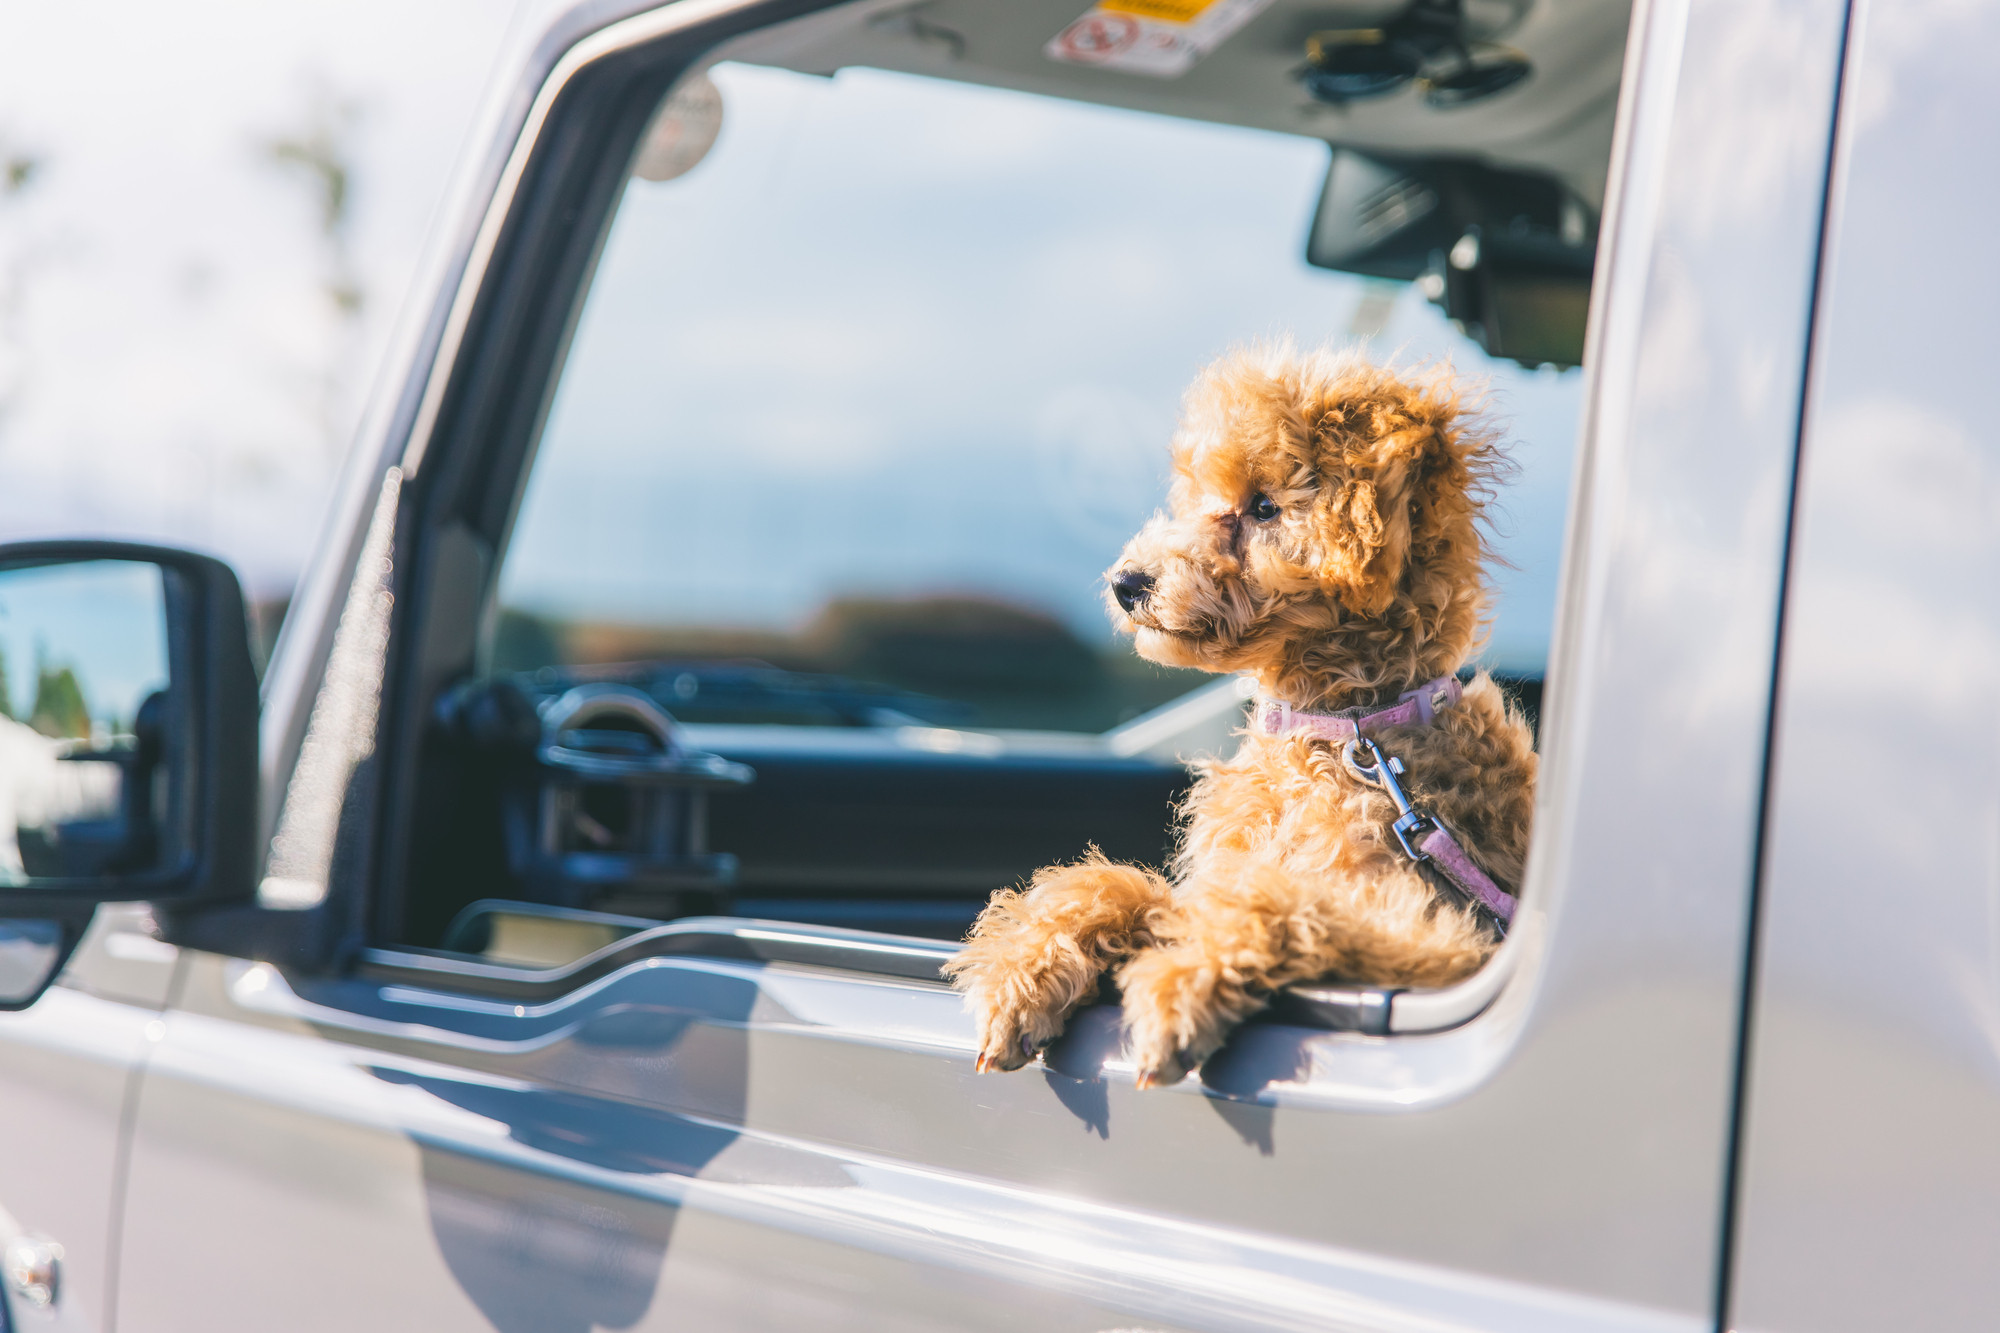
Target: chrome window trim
x=866 y=953
x=705 y=936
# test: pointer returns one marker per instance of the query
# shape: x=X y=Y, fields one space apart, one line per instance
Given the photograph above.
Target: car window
x=800 y=613
x=860 y=407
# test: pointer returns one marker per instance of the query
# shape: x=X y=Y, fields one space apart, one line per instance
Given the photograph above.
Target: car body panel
x=1870 y=1169
x=69 y=1066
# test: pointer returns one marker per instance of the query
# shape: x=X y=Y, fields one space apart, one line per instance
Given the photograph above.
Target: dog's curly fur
x=1367 y=581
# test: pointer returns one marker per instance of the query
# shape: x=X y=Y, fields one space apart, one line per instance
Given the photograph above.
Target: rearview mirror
x=1507 y=255
x=128 y=738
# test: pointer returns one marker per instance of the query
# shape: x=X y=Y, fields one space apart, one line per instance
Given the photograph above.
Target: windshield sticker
x=1162 y=38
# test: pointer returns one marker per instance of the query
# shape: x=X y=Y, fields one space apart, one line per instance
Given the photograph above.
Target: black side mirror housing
x=128 y=749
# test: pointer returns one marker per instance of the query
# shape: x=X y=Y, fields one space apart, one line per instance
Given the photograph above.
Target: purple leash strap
x=1449 y=859
x=1424 y=837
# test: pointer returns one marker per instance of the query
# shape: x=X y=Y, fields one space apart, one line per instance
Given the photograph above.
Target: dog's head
x=1324 y=531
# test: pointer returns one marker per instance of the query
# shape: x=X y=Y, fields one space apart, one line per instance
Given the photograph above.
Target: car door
x=748 y=1124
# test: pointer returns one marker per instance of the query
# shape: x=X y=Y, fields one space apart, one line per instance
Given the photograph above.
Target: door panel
x=258 y=1141
x=1870 y=1175
x=64 y=1071
x=68 y=1066
x=725 y=1143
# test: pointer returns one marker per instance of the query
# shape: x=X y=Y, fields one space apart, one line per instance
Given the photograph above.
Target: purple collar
x=1415 y=708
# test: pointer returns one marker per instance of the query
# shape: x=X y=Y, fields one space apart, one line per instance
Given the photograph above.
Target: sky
x=172 y=366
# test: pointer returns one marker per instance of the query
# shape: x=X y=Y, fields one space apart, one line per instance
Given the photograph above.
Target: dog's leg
x=1183 y=996
x=1228 y=949
x=1034 y=956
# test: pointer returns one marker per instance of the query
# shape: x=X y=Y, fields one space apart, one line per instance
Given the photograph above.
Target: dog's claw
x=1146 y=1079
x=983 y=1064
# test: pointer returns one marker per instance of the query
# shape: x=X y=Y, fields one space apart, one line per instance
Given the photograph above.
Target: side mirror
x=128 y=742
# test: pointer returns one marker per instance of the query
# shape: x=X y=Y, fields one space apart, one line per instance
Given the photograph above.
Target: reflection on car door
x=462 y=1163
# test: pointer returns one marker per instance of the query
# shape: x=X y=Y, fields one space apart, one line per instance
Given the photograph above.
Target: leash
x=1425 y=839
x=1423 y=836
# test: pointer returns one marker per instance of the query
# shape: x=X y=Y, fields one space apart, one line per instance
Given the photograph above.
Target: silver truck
x=549 y=940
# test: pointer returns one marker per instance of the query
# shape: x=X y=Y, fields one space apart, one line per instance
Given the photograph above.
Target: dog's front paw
x=1018 y=992
x=1012 y=1026
x=1033 y=957
x=1179 y=1008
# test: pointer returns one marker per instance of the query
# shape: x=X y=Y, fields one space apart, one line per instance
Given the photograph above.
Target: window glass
x=860 y=407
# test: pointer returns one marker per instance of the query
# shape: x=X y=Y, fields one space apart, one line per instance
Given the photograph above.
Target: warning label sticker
x=1162 y=38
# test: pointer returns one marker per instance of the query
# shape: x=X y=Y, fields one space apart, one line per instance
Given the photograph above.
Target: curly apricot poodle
x=1325 y=537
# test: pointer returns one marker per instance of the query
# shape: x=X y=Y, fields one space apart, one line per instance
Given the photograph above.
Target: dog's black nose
x=1131 y=587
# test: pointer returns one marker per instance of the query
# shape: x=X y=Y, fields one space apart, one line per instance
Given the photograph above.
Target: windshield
x=860 y=408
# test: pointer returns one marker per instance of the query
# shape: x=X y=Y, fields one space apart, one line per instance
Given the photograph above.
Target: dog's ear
x=1363 y=515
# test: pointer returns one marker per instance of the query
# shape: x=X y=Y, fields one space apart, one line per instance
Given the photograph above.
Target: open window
x=789 y=606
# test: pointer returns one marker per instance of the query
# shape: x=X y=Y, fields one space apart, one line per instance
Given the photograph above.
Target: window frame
x=463 y=483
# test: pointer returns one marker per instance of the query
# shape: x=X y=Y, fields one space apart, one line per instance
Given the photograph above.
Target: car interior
x=792 y=605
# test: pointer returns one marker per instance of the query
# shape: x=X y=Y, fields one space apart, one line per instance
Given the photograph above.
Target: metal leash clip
x=1412 y=825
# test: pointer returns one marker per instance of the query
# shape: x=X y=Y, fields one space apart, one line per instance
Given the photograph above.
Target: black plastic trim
x=71 y=924
x=1342 y=1008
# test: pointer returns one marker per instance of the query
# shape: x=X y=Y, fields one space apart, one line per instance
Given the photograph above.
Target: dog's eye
x=1262 y=508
